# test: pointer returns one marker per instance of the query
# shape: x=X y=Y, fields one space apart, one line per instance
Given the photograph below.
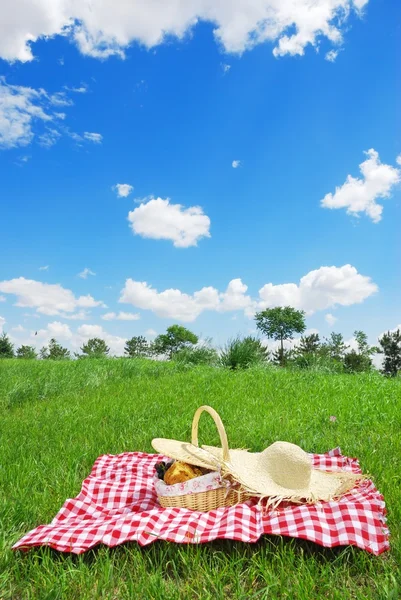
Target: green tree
x=27 y=352
x=176 y=338
x=54 y=351
x=335 y=347
x=137 y=346
x=6 y=347
x=357 y=361
x=95 y=348
x=390 y=346
x=282 y=356
x=309 y=344
x=280 y=324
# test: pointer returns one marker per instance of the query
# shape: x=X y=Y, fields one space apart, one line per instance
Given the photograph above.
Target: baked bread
x=180 y=472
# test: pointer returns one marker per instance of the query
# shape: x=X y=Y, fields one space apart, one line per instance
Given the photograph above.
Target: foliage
x=309 y=344
x=176 y=338
x=54 y=351
x=27 y=352
x=282 y=356
x=94 y=348
x=280 y=324
x=137 y=346
x=242 y=353
x=85 y=408
x=6 y=347
x=360 y=360
x=334 y=347
x=197 y=355
x=390 y=346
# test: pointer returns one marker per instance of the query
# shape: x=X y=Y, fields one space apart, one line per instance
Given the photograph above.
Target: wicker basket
x=210 y=499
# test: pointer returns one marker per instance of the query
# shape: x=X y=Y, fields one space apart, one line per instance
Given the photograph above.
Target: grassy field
x=57 y=417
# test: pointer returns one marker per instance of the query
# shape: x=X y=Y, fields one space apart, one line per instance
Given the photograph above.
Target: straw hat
x=283 y=471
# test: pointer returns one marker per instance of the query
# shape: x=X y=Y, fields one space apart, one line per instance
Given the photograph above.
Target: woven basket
x=211 y=499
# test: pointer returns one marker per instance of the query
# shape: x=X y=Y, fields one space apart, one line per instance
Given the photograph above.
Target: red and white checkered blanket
x=117 y=504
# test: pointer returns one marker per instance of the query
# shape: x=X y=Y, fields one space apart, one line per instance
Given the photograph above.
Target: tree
x=282 y=356
x=95 y=348
x=27 y=352
x=176 y=338
x=6 y=347
x=54 y=351
x=335 y=347
x=359 y=361
x=309 y=344
x=390 y=346
x=280 y=324
x=137 y=346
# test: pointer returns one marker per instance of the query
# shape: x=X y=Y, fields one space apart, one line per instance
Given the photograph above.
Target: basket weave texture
x=211 y=499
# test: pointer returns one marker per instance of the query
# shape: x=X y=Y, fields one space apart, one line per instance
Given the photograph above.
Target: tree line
x=279 y=324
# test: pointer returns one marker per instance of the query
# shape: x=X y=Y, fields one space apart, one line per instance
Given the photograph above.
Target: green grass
x=57 y=417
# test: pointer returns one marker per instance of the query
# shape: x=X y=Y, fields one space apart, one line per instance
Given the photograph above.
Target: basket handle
x=220 y=428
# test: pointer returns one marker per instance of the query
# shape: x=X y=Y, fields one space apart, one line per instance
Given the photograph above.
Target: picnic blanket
x=118 y=503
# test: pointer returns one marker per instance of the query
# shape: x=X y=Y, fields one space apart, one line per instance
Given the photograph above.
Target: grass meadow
x=58 y=417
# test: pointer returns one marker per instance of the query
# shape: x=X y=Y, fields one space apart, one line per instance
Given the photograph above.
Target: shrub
x=28 y=352
x=242 y=353
x=198 y=355
x=6 y=347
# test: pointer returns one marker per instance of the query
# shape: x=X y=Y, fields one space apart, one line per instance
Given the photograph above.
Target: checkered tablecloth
x=117 y=504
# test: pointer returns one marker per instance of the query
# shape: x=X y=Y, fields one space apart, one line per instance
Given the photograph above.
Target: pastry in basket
x=180 y=472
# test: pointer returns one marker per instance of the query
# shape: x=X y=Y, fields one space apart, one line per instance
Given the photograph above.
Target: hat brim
x=245 y=468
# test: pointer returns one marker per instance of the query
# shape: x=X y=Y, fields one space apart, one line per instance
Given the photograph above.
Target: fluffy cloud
x=235 y=164
x=318 y=290
x=48 y=299
x=330 y=319
x=121 y=316
x=85 y=273
x=102 y=29
x=75 y=339
x=26 y=112
x=331 y=55
x=360 y=195
x=123 y=189
x=160 y=220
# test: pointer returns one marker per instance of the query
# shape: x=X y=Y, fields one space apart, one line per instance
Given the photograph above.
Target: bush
x=199 y=355
x=357 y=363
x=243 y=353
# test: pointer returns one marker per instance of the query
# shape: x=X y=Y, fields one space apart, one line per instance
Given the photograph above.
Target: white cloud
x=84 y=274
x=123 y=189
x=75 y=339
x=398 y=160
x=2 y=298
x=18 y=329
x=235 y=164
x=151 y=333
x=121 y=316
x=85 y=332
x=2 y=321
x=93 y=137
x=27 y=112
x=318 y=290
x=330 y=319
x=160 y=220
x=360 y=195
x=321 y=289
x=45 y=268
x=103 y=29
x=225 y=68
x=331 y=55
x=48 y=299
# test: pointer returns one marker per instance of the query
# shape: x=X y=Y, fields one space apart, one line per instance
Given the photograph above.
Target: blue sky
x=237 y=136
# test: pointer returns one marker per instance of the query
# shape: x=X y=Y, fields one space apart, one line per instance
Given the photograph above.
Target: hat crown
x=288 y=465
